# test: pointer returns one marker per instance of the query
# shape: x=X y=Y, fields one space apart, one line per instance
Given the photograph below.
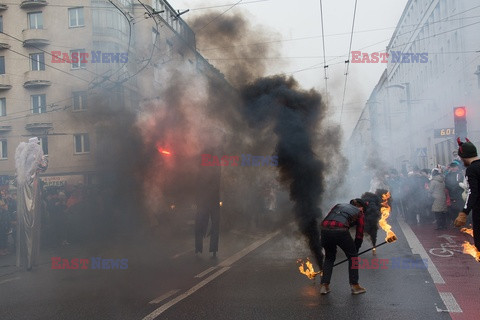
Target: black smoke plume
x=295 y=115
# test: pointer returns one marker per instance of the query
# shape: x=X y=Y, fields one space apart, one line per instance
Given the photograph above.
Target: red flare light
x=163 y=151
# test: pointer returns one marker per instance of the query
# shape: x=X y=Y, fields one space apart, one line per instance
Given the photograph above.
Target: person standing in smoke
x=439 y=206
x=334 y=232
x=29 y=161
x=452 y=182
x=208 y=197
x=468 y=153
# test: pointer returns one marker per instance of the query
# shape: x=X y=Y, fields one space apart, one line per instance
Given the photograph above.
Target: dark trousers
x=330 y=240
x=476 y=228
x=441 y=218
x=201 y=225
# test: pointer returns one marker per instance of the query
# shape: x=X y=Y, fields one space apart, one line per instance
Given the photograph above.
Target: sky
x=298 y=28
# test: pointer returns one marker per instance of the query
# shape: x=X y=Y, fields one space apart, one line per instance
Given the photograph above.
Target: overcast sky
x=299 y=25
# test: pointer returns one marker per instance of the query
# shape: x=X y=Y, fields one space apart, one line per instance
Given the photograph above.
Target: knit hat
x=466 y=149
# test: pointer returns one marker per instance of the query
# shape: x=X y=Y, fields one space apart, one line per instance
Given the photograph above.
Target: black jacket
x=473 y=197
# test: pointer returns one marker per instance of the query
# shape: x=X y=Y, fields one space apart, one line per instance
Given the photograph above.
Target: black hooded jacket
x=473 y=197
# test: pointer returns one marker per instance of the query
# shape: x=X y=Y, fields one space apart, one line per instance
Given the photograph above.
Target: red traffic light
x=460 y=112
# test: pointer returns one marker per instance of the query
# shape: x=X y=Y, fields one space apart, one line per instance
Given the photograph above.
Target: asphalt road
x=254 y=277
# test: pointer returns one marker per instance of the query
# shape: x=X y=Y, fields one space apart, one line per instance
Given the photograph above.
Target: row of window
x=81 y=144
x=38 y=103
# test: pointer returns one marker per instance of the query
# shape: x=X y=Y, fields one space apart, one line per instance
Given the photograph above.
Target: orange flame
x=308 y=271
x=385 y=210
x=162 y=150
x=470 y=249
x=467 y=231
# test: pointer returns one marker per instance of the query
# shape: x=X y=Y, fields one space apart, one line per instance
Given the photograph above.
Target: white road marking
x=184 y=295
x=181 y=254
x=165 y=296
x=450 y=303
x=417 y=248
x=237 y=256
x=225 y=265
x=448 y=238
x=204 y=273
x=8 y=280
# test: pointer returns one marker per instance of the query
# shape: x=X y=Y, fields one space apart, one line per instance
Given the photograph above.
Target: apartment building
x=59 y=58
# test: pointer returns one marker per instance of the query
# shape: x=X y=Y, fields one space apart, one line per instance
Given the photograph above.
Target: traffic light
x=460 y=121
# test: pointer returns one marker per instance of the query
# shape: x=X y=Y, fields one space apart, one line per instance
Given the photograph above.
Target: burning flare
x=467 y=231
x=470 y=249
x=385 y=209
x=308 y=271
x=162 y=150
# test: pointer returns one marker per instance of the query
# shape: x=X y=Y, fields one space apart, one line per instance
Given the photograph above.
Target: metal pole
x=381 y=244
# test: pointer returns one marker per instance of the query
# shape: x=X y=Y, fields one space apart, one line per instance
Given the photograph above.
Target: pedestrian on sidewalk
x=439 y=206
x=334 y=232
x=468 y=153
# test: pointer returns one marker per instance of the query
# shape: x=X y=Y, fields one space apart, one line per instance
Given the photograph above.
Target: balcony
x=35 y=37
x=38 y=126
x=36 y=79
x=29 y=4
x=4 y=129
x=5 y=83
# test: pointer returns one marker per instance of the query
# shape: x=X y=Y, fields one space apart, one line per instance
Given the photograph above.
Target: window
x=1 y=23
x=3 y=149
x=38 y=61
x=79 y=101
x=44 y=144
x=2 y=65
x=78 y=58
x=75 y=17
x=35 y=20
x=3 y=107
x=81 y=143
x=39 y=103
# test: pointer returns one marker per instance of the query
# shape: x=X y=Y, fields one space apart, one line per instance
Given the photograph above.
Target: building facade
x=59 y=58
x=433 y=67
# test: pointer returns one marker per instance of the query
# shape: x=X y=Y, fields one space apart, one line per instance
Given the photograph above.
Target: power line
x=348 y=61
x=325 y=66
x=218 y=16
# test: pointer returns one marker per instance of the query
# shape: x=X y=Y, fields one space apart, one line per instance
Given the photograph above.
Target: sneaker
x=324 y=288
x=356 y=289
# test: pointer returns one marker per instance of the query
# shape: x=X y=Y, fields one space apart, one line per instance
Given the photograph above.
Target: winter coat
x=437 y=190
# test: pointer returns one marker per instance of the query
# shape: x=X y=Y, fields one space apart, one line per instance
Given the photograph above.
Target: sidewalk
x=460 y=272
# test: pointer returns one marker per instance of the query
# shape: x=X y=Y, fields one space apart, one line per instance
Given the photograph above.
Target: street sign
x=445 y=132
x=421 y=152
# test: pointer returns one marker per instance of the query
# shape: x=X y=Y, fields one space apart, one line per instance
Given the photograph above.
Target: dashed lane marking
x=204 y=273
x=165 y=296
x=8 y=280
x=184 y=295
x=224 y=265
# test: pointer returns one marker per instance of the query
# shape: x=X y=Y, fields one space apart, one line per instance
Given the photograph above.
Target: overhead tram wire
x=325 y=66
x=348 y=61
x=218 y=16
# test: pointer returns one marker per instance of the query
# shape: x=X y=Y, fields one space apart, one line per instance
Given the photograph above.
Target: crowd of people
x=427 y=196
x=61 y=207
